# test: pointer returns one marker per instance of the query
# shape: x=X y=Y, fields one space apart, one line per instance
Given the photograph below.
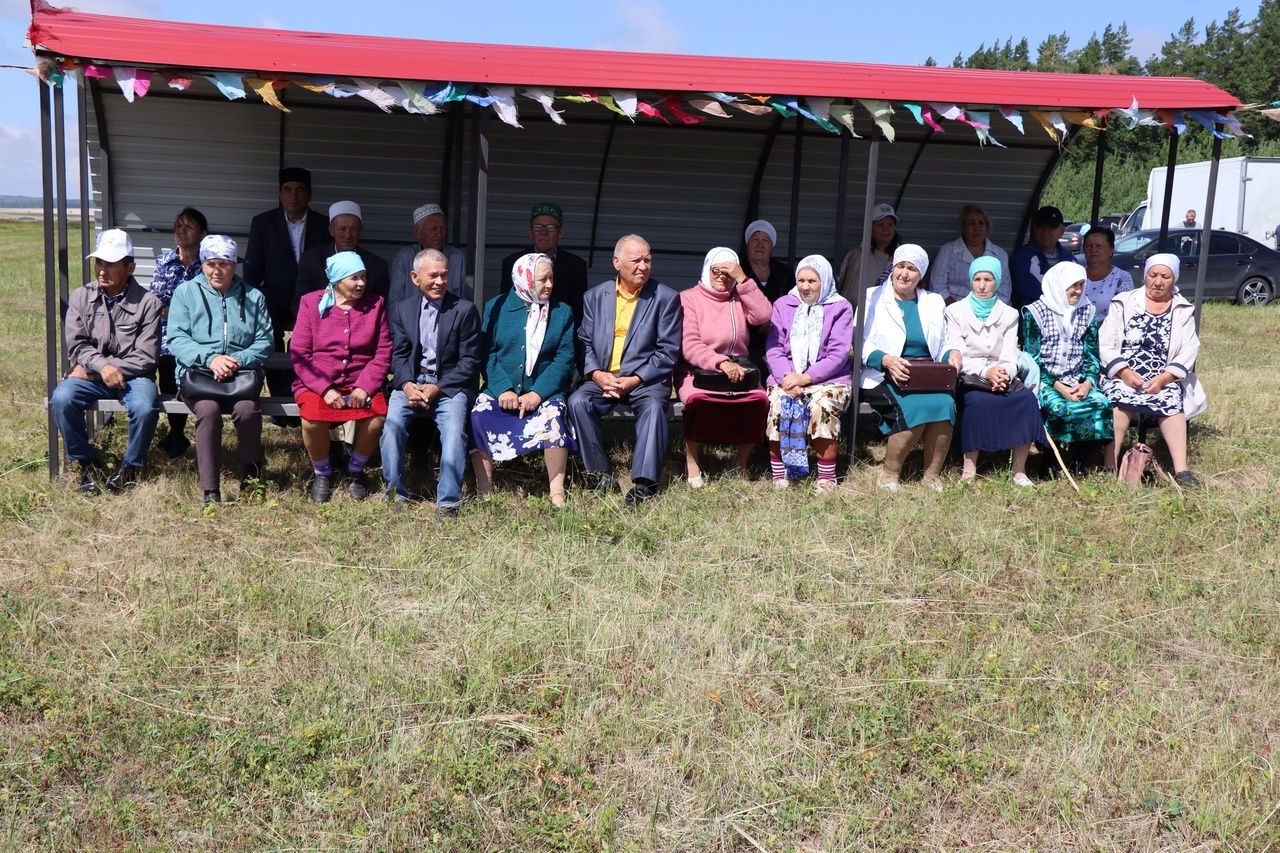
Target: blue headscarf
x=338 y=267
x=982 y=308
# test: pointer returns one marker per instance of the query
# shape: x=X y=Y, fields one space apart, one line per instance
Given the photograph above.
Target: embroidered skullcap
x=914 y=255
x=295 y=173
x=426 y=210
x=546 y=208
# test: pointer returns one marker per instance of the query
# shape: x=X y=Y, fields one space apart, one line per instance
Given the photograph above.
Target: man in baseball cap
x=429 y=224
x=1034 y=258
x=112 y=331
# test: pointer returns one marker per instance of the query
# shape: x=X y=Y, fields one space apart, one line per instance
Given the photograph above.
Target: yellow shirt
x=621 y=325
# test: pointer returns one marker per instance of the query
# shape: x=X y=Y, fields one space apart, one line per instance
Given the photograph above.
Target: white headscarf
x=535 y=325
x=1164 y=259
x=1054 y=293
x=806 y=325
x=913 y=254
x=718 y=255
x=762 y=225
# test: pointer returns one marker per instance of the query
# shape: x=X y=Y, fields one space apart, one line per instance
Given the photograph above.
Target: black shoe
x=252 y=471
x=213 y=496
x=443 y=512
x=1187 y=480
x=357 y=485
x=90 y=474
x=123 y=477
x=321 y=489
x=175 y=444
x=600 y=482
x=641 y=491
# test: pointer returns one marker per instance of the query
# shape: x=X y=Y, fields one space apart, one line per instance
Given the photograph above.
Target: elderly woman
x=998 y=412
x=528 y=367
x=905 y=322
x=950 y=277
x=1103 y=280
x=884 y=242
x=172 y=268
x=772 y=276
x=1149 y=346
x=1060 y=331
x=717 y=313
x=341 y=353
x=219 y=323
x=810 y=382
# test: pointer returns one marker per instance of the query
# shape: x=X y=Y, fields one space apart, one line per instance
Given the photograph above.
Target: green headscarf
x=982 y=308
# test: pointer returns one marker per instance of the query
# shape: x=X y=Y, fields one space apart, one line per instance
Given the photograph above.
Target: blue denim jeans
x=72 y=396
x=450 y=415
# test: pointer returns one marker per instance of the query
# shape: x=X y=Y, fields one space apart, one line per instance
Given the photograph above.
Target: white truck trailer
x=1247 y=201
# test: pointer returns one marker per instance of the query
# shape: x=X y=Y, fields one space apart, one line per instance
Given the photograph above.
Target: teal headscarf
x=337 y=268
x=982 y=308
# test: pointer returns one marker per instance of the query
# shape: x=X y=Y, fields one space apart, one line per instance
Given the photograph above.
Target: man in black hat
x=546 y=227
x=1033 y=259
x=277 y=239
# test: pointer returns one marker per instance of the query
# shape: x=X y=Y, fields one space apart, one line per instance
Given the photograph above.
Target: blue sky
x=801 y=29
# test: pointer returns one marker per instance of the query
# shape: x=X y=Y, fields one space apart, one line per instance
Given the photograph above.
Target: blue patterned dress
x=1146 y=349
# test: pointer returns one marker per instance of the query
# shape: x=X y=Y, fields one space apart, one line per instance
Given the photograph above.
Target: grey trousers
x=652 y=404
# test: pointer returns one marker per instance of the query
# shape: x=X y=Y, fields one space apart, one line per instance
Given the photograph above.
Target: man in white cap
x=346 y=223
x=429 y=225
x=112 y=331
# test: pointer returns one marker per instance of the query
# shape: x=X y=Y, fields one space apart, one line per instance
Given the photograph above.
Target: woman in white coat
x=906 y=322
x=996 y=411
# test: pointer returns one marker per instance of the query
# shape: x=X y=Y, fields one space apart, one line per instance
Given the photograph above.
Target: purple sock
x=356 y=463
x=322 y=467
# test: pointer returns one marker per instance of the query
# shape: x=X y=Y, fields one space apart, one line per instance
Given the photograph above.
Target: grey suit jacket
x=652 y=346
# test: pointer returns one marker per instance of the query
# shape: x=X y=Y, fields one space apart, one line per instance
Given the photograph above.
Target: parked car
x=1240 y=269
x=1073 y=238
x=1112 y=221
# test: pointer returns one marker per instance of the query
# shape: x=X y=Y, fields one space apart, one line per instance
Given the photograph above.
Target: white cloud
x=643 y=26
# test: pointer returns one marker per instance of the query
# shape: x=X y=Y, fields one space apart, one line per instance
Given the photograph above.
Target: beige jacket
x=986 y=343
x=128 y=337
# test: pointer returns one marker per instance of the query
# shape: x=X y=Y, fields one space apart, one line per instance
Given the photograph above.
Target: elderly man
x=428 y=228
x=630 y=336
x=112 y=331
x=1033 y=259
x=435 y=359
x=546 y=228
x=345 y=226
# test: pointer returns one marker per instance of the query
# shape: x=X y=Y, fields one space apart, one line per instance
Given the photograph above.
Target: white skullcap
x=762 y=225
x=338 y=208
x=914 y=255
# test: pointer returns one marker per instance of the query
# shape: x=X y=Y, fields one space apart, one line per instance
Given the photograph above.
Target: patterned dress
x=169 y=273
x=1146 y=349
x=1070 y=361
x=503 y=435
x=1102 y=291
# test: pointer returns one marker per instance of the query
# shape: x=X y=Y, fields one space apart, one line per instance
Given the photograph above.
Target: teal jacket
x=502 y=334
x=197 y=316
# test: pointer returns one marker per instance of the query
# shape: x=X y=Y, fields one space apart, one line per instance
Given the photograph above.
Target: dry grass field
x=732 y=669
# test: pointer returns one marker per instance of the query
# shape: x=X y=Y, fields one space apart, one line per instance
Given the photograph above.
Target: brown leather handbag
x=927 y=375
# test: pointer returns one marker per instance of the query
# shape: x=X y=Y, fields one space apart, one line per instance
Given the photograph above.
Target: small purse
x=198 y=383
x=717 y=382
x=927 y=375
x=982 y=383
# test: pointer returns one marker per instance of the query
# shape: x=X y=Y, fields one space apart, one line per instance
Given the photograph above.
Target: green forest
x=1238 y=54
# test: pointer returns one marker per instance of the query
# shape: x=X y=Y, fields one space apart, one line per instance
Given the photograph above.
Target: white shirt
x=949 y=272
x=297 y=230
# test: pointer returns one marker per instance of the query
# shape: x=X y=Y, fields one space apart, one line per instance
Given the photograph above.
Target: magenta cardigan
x=344 y=350
x=709 y=321
x=833 y=363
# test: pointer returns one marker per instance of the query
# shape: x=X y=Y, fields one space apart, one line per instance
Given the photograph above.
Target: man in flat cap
x=428 y=229
x=546 y=227
x=345 y=226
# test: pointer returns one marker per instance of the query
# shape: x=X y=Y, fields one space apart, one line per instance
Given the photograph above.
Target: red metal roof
x=134 y=41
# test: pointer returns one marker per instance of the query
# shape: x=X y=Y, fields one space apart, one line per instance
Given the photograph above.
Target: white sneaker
x=782 y=484
x=891 y=486
x=824 y=487
x=696 y=482
x=1023 y=481
x=936 y=485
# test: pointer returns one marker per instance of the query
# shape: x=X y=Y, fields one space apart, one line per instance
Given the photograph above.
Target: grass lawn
x=730 y=669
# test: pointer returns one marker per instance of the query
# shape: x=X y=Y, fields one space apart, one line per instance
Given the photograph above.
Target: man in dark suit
x=345 y=227
x=435 y=359
x=277 y=239
x=546 y=227
x=630 y=336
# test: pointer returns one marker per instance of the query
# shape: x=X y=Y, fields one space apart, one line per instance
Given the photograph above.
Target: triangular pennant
x=581 y=98
x=950 y=112
x=319 y=85
x=794 y=104
x=547 y=99
x=609 y=104
x=1173 y=118
x=881 y=112
x=1273 y=114
x=843 y=113
x=723 y=98
x=651 y=111
x=449 y=94
x=1044 y=122
x=916 y=112
x=931 y=121
x=504 y=104
x=753 y=109
x=228 y=83
x=142 y=83
x=1232 y=124
x=125 y=77
x=1014 y=118
x=266 y=89
x=708 y=106
x=98 y=72
x=626 y=101
x=672 y=103
x=782 y=109
x=371 y=91
x=415 y=98
x=179 y=80
x=980 y=121
x=1208 y=120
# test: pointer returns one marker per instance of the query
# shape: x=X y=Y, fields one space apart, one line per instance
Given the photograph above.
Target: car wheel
x=1255 y=291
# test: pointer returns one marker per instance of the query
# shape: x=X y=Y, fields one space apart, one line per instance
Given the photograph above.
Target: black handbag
x=198 y=383
x=717 y=382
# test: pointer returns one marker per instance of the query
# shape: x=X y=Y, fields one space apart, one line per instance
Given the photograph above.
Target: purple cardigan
x=343 y=350
x=833 y=363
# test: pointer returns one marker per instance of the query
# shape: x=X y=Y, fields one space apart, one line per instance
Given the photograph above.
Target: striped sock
x=356 y=463
x=775 y=465
x=322 y=467
x=827 y=471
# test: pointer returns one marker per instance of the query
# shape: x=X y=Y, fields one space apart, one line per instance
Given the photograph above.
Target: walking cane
x=1057 y=453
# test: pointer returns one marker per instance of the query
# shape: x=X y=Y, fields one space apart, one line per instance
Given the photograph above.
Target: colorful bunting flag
x=843 y=113
x=709 y=106
x=179 y=80
x=228 y=83
x=1014 y=118
x=547 y=99
x=672 y=105
x=415 y=98
x=626 y=102
x=266 y=89
x=651 y=111
x=980 y=121
x=98 y=72
x=1174 y=119
x=504 y=104
x=319 y=85
x=881 y=112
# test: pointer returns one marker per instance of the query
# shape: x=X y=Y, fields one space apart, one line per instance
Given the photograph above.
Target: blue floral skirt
x=503 y=435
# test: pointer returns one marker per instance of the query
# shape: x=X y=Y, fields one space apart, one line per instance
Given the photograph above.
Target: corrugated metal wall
x=685 y=189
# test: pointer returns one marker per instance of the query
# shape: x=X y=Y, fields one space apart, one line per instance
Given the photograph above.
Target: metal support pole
x=1206 y=228
x=595 y=209
x=479 y=198
x=859 y=315
x=456 y=210
x=60 y=172
x=50 y=284
x=797 y=161
x=1101 y=156
x=86 y=226
x=1168 y=188
x=841 y=193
